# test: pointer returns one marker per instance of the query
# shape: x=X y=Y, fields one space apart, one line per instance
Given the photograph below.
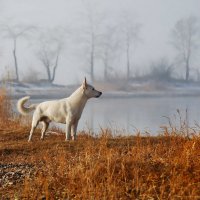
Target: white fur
x=67 y=111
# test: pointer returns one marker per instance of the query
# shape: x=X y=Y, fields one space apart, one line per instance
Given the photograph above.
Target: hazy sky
x=157 y=18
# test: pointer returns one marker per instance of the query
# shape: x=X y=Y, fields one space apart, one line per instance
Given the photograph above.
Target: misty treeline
x=47 y=45
x=99 y=40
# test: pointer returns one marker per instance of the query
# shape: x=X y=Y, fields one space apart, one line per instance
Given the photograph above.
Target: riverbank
x=163 y=167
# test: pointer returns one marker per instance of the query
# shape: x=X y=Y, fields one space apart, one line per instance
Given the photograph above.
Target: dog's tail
x=25 y=110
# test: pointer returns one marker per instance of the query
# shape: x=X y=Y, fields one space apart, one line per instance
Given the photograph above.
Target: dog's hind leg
x=44 y=128
x=35 y=122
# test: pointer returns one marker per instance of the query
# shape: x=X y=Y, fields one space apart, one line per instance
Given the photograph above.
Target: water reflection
x=144 y=114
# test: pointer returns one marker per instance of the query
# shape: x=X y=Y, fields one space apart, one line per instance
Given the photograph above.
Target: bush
x=161 y=70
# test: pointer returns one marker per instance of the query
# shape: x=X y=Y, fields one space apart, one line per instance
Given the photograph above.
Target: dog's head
x=90 y=91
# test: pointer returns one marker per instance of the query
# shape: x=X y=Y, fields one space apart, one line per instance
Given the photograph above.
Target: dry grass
x=103 y=167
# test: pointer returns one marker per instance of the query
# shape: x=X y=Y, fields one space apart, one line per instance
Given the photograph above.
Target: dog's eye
x=92 y=88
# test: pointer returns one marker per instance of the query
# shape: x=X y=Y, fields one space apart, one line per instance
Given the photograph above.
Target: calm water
x=144 y=114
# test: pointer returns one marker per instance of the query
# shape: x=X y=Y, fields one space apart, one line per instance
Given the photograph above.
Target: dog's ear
x=84 y=84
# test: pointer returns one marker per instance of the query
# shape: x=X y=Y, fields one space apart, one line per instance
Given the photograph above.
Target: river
x=128 y=115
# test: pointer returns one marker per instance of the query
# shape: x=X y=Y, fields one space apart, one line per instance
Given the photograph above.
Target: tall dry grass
x=103 y=167
x=5 y=106
x=8 y=118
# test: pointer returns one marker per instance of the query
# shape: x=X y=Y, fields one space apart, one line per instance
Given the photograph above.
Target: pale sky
x=157 y=18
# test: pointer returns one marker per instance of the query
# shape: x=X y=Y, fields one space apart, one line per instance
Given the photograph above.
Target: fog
x=155 y=17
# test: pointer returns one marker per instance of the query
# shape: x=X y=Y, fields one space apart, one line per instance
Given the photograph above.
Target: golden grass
x=103 y=167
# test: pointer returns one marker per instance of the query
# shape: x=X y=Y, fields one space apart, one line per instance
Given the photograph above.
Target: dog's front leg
x=74 y=130
x=68 y=131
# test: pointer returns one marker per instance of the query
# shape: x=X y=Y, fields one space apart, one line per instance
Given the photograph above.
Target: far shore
x=145 y=90
x=57 y=94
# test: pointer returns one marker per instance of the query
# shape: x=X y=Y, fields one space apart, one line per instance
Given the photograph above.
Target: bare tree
x=91 y=35
x=14 y=33
x=50 y=44
x=184 y=38
x=131 y=33
x=110 y=47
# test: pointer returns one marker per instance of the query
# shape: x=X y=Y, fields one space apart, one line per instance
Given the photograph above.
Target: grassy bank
x=103 y=167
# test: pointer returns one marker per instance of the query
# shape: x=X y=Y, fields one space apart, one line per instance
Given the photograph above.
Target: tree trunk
x=48 y=73
x=54 y=68
x=187 y=70
x=92 y=60
x=106 y=72
x=15 y=60
x=106 y=66
x=128 y=61
x=92 y=67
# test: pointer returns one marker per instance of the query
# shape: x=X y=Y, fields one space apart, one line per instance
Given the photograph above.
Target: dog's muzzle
x=100 y=93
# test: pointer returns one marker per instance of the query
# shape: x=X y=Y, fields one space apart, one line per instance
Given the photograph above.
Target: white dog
x=67 y=111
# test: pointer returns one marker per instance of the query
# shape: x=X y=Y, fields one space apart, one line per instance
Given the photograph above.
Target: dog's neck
x=78 y=98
